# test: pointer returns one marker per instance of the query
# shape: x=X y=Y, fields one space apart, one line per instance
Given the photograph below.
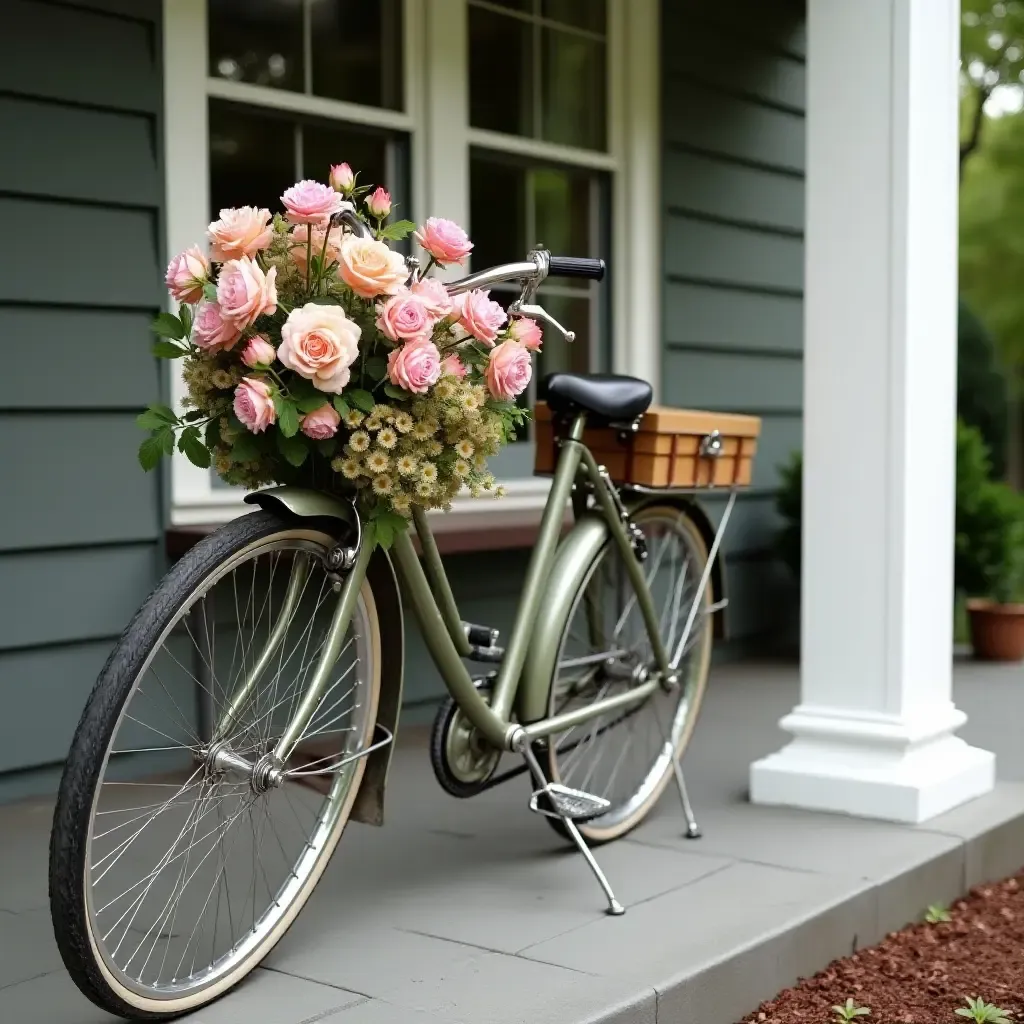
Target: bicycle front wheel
x=626 y=756
x=175 y=863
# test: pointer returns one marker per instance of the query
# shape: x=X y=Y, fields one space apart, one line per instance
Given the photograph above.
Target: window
x=510 y=116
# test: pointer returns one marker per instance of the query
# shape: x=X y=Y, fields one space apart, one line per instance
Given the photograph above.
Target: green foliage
x=982 y=399
x=293 y=448
x=167 y=325
x=191 y=445
x=287 y=418
x=384 y=526
x=789 y=505
x=984 y=1013
x=849 y=1011
x=361 y=399
x=397 y=231
x=937 y=914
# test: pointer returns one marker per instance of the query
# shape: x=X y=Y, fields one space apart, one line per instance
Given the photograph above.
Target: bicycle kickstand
x=692 y=831
x=562 y=799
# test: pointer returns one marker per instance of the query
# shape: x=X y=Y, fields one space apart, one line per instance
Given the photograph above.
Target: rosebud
x=258 y=352
x=379 y=203
x=342 y=179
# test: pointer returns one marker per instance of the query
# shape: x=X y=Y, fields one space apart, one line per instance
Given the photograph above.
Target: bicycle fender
x=573 y=558
x=303 y=503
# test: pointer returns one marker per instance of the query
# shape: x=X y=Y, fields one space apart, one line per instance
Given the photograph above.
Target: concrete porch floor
x=475 y=912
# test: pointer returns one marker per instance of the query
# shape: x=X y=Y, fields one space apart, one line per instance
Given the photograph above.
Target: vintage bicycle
x=188 y=834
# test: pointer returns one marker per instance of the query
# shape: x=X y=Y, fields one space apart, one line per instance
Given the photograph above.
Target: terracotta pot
x=997 y=630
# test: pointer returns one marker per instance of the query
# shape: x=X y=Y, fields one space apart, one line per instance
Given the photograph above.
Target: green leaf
x=311 y=403
x=190 y=444
x=327 y=447
x=398 y=230
x=292 y=448
x=166 y=435
x=244 y=448
x=341 y=406
x=287 y=415
x=377 y=366
x=393 y=391
x=194 y=414
x=150 y=452
x=167 y=325
x=185 y=316
x=384 y=532
x=210 y=291
x=155 y=417
x=167 y=350
x=361 y=399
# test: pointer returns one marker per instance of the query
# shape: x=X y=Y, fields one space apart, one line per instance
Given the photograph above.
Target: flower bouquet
x=315 y=354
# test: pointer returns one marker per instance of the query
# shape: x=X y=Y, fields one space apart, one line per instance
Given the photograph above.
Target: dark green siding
x=733 y=193
x=81 y=204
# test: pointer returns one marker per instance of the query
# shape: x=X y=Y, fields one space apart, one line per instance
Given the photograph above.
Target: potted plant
x=989 y=553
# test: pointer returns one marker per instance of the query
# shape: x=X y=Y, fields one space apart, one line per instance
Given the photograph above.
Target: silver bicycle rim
x=625 y=757
x=192 y=875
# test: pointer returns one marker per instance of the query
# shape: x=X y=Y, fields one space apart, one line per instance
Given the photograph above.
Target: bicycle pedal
x=558 y=801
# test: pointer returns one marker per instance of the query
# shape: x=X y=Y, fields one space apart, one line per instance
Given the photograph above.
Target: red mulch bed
x=921 y=974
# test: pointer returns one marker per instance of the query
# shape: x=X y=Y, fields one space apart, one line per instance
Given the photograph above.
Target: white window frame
x=436 y=119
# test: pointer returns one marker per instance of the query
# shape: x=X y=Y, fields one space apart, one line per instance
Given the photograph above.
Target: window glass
x=257 y=41
x=587 y=14
x=573 y=86
x=501 y=74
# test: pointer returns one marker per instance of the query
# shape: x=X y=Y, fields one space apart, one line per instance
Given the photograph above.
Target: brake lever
x=525 y=306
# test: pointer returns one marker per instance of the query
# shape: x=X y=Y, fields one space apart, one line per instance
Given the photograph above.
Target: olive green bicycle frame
x=428 y=591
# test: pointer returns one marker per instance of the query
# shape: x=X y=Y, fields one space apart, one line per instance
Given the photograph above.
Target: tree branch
x=970 y=144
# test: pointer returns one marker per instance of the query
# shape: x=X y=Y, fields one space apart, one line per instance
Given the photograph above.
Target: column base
x=872 y=767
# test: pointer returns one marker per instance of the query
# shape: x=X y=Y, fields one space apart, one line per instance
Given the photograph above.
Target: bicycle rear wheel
x=175 y=865
x=626 y=756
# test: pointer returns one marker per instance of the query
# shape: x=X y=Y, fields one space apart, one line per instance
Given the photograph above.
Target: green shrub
x=982 y=391
x=789 y=504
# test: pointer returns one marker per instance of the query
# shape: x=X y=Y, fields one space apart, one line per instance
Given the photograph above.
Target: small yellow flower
x=406 y=465
x=480 y=463
x=403 y=423
x=424 y=489
x=444 y=389
x=353 y=418
x=387 y=438
x=373 y=422
x=476 y=490
x=434 y=447
x=350 y=468
x=465 y=448
x=221 y=379
x=469 y=402
x=462 y=468
x=382 y=484
x=488 y=482
x=359 y=441
x=500 y=492
x=401 y=503
x=420 y=431
x=377 y=461
x=383 y=412
x=428 y=472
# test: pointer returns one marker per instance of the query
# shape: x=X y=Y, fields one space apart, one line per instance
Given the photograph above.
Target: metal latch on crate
x=711 y=446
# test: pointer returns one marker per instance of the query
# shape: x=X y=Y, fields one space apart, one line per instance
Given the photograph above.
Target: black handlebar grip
x=576 y=266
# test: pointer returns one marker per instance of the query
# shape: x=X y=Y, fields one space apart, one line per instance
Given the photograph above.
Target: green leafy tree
x=981 y=399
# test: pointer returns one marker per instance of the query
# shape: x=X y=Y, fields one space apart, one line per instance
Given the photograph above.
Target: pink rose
x=245 y=292
x=379 y=203
x=253 y=405
x=321 y=424
x=509 y=370
x=240 y=232
x=526 y=331
x=312 y=202
x=452 y=366
x=404 y=317
x=480 y=315
x=298 y=244
x=415 y=366
x=258 y=352
x=187 y=273
x=320 y=343
x=434 y=296
x=211 y=331
x=444 y=240
x=341 y=178
x=371 y=268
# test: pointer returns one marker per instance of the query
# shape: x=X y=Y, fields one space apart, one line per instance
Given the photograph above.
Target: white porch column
x=873 y=733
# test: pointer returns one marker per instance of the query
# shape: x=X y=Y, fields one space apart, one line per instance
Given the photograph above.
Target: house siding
x=81 y=196
x=733 y=210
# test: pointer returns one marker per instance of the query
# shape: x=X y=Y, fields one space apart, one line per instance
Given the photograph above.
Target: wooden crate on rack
x=683 y=448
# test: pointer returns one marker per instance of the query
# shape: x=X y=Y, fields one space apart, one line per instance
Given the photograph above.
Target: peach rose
x=509 y=370
x=211 y=332
x=298 y=248
x=321 y=423
x=444 y=240
x=453 y=367
x=404 y=317
x=371 y=268
x=253 y=404
x=320 y=343
x=434 y=295
x=415 y=366
x=526 y=331
x=341 y=178
x=258 y=352
x=378 y=203
x=245 y=292
x=312 y=202
x=480 y=315
x=187 y=274
x=240 y=232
